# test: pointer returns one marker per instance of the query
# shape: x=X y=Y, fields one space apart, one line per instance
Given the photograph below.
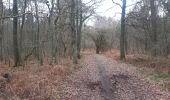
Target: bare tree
x=15 y=37
x=154 y=27
x=50 y=27
x=123 y=31
x=73 y=31
x=83 y=13
x=79 y=24
x=1 y=30
x=21 y=29
x=99 y=40
x=58 y=30
x=38 y=51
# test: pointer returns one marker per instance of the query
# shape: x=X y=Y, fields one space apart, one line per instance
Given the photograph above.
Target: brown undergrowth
x=155 y=69
x=34 y=82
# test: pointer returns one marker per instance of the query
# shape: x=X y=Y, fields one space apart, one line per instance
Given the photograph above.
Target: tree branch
x=117 y=4
x=134 y=4
x=7 y=17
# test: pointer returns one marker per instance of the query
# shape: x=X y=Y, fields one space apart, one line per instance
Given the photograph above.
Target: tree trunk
x=97 y=50
x=15 y=37
x=146 y=42
x=73 y=30
x=122 y=37
x=153 y=27
x=21 y=30
x=1 y=30
x=50 y=30
x=38 y=51
x=79 y=33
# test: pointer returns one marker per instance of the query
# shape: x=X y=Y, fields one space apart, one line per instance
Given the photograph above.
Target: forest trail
x=101 y=78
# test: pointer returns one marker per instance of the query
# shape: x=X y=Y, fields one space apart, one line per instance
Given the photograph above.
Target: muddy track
x=103 y=79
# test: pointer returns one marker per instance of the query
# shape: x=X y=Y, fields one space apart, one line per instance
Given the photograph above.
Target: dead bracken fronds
x=34 y=82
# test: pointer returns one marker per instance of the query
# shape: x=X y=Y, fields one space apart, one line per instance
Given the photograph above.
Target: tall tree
x=1 y=29
x=123 y=31
x=22 y=27
x=37 y=39
x=78 y=25
x=83 y=12
x=50 y=28
x=15 y=32
x=73 y=31
x=153 y=27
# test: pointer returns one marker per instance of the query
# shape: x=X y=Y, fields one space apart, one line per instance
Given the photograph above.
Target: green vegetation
x=160 y=78
x=155 y=75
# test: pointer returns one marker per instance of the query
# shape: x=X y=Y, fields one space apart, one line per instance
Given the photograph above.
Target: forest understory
x=33 y=82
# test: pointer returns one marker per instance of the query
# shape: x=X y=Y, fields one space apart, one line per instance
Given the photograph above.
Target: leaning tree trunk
x=122 y=37
x=15 y=37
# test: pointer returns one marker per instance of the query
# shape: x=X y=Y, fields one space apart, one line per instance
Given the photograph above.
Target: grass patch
x=161 y=78
x=158 y=76
x=155 y=75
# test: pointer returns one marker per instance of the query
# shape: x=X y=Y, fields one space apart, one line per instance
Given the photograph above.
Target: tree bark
x=154 y=27
x=79 y=28
x=15 y=37
x=50 y=30
x=73 y=30
x=38 y=51
x=97 y=50
x=122 y=37
x=22 y=27
x=1 y=30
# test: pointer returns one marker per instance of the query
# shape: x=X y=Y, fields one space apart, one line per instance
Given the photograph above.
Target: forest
x=69 y=50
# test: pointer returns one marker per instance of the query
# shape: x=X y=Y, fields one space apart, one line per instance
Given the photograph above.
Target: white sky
x=108 y=9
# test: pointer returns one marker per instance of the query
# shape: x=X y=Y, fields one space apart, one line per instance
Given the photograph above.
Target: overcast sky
x=107 y=8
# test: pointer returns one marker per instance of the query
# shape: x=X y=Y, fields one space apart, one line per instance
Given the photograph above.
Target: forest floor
x=101 y=78
x=156 y=69
x=96 y=77
x=34 y=82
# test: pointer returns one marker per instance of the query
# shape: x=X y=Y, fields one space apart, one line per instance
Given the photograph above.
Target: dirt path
x=103 y=79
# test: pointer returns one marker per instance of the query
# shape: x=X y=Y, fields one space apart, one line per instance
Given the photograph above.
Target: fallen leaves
x=126 y=83
x=35 y=82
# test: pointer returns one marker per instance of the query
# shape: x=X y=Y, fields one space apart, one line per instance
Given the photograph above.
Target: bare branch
x=134 y=4
x=117 y=4
x=7 y=17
